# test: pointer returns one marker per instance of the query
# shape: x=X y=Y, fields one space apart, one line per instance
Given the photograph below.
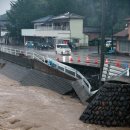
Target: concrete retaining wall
x=47 y=69
x=20 y=60
x=87 y=71
x=30 y=63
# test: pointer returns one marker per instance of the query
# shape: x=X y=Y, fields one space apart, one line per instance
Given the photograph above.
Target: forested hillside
x=23 y=12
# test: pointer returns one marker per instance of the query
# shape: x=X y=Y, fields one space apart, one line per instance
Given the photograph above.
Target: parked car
x=108 y=43
x=43 y=45
x=39 y=45
x=29 y=44
x=72 y=46
x=50 y=45
x=62 y=49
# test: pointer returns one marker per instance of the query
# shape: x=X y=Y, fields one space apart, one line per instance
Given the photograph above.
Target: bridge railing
x=110 y=70
x=52 y=63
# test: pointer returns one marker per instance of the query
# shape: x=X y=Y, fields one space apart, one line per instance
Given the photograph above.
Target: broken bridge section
x=50 y=66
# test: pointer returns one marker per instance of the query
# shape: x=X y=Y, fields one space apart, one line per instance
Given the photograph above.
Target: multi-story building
x=65 y=28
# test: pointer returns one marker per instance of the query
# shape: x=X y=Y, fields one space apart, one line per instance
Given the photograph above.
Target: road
x=87 y=56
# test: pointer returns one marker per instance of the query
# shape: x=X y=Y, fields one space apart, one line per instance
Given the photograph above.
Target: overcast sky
x=4 y=5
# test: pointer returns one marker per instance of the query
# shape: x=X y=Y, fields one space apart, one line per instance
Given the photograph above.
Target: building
x=123 y=39
x=64 y=28
x=93 y=33
x=3 y=29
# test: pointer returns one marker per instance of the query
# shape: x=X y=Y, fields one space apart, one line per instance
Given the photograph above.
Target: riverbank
x=35 y=108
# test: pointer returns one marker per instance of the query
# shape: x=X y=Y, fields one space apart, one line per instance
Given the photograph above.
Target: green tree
x=23 y=12
x=21 y=15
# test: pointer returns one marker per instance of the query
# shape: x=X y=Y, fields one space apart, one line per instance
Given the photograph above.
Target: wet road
x=87 y=56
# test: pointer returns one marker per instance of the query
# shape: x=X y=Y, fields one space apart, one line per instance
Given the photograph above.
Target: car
x=39 y=45
x=72 y=46
x=50 y=45
x=108 y=44
x=62 y=49
x=29 y=44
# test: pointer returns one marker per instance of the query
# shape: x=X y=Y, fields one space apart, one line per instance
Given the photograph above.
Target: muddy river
x=35 y=108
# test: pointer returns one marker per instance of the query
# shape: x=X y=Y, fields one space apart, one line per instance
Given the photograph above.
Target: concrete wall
x=49 y=70
x=24 y=61
x=88 y=71
x=20 y=60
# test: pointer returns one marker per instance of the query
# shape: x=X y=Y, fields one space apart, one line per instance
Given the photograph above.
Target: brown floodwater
x=35 y=108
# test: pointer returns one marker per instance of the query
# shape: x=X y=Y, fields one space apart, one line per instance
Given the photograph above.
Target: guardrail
x=52 y=63
x=110 y=70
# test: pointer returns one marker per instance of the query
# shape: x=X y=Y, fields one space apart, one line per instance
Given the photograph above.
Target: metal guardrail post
x=76 y=74
x=15 y=52
x=64 y=69
x=33 y=55
x=26 y=53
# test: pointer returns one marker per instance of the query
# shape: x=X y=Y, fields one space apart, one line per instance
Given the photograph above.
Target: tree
x=23 y=12
x=21 y=15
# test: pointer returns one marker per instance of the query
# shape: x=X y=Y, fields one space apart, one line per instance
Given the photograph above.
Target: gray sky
x=4 y=5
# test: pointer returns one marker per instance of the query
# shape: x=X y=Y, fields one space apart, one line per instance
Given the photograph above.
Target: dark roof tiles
x=127 y=19
x=44 y=19
x=92 y=30
x=68 y=16
x=122 y=33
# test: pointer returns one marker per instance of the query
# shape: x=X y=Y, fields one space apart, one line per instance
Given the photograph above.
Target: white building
x=3 y=30
x=63 y=28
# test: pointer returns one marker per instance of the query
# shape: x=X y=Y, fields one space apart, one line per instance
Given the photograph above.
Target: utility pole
x=0 y=31
x=102 y=57
x=112 y=26
x=70 y=27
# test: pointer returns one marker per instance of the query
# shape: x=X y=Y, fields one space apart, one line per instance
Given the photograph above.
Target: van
x=108 y=43
x=62 y=49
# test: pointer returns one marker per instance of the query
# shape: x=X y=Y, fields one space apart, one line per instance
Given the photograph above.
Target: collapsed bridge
x=65 y=76
x=83 y=84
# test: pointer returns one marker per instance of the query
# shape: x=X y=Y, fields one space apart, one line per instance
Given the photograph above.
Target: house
x=3 y=30
x=123 y=39
x=64 y=28
x=93 y=33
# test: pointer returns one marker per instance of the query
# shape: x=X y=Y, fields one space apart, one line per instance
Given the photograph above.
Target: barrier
x=106 y=61
x=70 y=59
x=118 y=64
x=87 y=60
x=79 y=59
x=96 y=61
